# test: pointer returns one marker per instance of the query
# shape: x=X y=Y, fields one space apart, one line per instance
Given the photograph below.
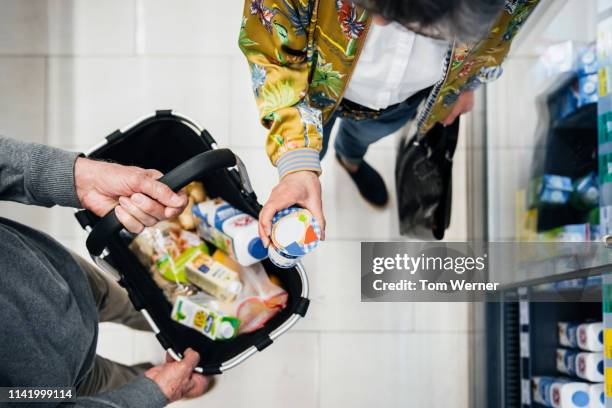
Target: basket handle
x=191 y=170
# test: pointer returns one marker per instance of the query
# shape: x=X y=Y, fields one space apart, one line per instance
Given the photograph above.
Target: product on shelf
x=597 y=397
x=213 y=277
x=230 y=230
x=586 y=192
x=196 y=313
x=166 y=248
x=586 y=365
x=295 y=232
x=560 y=392
x=567 y=233
x=549 y=189
x=587 y=90
x=586 y=63
x=586 y=336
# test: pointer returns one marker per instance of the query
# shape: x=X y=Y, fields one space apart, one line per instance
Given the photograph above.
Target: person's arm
x=161 y=385
x=32 y=173
x=274 y=39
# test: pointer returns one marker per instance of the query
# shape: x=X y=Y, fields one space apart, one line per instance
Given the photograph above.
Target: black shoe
x=370 y=184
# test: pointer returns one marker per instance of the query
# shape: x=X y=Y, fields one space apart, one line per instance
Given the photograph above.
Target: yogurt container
x=295 y=232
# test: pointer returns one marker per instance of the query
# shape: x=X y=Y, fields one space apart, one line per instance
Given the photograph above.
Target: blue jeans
x=355 y=135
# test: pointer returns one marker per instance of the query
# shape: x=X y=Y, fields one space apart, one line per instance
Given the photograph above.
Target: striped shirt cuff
x=299 y=160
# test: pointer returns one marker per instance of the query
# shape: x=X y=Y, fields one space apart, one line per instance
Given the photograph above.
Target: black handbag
x=423 y=176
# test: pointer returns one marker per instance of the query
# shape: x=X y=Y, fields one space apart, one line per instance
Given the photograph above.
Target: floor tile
x=393 y=370
x=22 y=106
x=285 y=374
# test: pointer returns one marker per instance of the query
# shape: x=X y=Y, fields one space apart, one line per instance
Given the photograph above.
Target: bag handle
x=191 y=170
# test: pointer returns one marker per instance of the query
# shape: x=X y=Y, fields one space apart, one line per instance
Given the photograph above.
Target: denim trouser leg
x=355 y=136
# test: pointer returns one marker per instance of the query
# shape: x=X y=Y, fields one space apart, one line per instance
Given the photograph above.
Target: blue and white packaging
x=587 y=90
x=590 y=366
x=560 y=392
x=589 y=336
x=568 y=334
x=597 y=399
x=586 y=63
x=566 y=361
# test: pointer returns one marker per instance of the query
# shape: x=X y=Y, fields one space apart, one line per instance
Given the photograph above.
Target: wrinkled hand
x=302 y=188
x=177 y=380
x=464 y=104
x=138 y=198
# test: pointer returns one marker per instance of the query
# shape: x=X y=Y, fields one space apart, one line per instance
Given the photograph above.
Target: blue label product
x=586 y=192
x=560 y=392
x=597 y=398
x=568 y=334
x=587 y=60
x=587 y=90
x=549 y=189
x=295 y=232
x=590 y=366
x=590 y=336
x=566 y=361
x=230 y=230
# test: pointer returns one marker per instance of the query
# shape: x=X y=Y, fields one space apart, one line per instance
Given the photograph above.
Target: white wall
x=72 y=71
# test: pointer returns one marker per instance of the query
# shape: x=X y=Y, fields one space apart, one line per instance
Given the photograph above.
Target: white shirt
x=395 y=63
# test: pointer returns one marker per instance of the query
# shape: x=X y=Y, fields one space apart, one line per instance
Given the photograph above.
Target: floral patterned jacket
x=302 y=54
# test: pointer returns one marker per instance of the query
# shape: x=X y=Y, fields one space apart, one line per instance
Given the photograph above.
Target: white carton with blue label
x=230 y=230
x=560 y=392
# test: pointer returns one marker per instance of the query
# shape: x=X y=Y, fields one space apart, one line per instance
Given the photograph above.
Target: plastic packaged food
x=213 y=277
x=194 y=312
x=230 y=230
x=258 y=302
x=295 y=232
x=166 y=248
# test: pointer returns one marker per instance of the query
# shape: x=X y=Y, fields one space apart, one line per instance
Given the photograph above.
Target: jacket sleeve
x=32 y=173
x=274 y=39
x=142 y=392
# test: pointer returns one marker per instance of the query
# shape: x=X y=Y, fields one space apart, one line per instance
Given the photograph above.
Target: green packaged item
x=167 y=248
x=196 y=313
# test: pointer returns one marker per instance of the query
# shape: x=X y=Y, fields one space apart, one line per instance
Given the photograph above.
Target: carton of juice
x=194 y=312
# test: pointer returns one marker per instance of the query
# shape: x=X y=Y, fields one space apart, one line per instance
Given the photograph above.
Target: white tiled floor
x=67 y=82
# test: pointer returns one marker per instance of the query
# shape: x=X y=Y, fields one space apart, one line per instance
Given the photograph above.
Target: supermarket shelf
x=584 y=118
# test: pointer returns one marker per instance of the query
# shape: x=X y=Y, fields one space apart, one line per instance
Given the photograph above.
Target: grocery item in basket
x=295 y=232
x=194 y=312
x=213 y=277
x=166 y=247
x=586 y=336
x=560 y=392
x=259 y=301
x=196 y=194
x=230 y=230
x=597 y=398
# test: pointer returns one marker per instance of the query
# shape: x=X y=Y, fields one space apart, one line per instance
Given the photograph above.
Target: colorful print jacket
x=302 y=54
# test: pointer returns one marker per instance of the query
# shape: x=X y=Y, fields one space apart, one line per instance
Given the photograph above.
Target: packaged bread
x=196 y=194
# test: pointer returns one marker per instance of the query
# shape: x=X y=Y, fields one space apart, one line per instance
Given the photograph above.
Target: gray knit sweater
x=48 y=319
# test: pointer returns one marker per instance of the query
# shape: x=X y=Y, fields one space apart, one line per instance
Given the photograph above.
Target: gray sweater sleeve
x=32 y=173
x=142 y=392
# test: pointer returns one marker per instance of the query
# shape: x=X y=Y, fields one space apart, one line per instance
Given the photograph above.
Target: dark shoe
x=369 y=183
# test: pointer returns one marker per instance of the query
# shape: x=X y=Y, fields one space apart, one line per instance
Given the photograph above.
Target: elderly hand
x=177 y=380
x=464 y=104
x=138 y=198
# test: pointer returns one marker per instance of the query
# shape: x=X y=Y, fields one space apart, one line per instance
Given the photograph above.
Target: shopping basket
x=181 y=150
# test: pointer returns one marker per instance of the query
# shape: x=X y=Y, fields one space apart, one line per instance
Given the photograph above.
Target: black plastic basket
x=177 y=147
